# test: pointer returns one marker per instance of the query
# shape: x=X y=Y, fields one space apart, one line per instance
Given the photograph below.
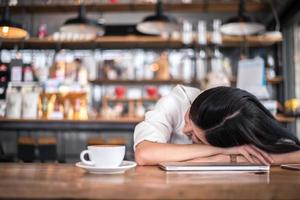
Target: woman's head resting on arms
x=227 y=117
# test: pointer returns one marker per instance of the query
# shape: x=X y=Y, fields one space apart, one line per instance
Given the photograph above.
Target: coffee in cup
x=104 y=156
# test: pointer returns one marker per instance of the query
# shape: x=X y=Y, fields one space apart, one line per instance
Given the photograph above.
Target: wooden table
x=65 y=181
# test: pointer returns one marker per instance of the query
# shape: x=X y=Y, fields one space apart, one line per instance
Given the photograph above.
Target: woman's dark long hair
x=233 y=117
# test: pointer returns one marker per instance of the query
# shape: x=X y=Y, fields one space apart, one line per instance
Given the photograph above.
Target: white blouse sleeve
x=159 y=122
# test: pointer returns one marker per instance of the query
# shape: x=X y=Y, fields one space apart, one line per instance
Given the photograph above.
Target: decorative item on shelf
x=158 y=24
x=187 y=32
x=201 y=61
x=30 y=104
x=28 y=74
x=140 y=109
x=16 y=69
x=81 y=112
x=13 y=103
x=187 y=71
x=152 y=92
x=68 y=109
x=216 y=60
x=81 y=27
x=4 y=77
x=227 y=68
x=82 y=74
x=57 y=71
x=55 y=109
x=270 y=71
x=42 y=31
x=292 y=107
x=71 y=105
x=4 y=73
x=109 y=70
x=161 y=67
x=2 y=108
x=120 y=91
x=10 y=29
x=242 y=25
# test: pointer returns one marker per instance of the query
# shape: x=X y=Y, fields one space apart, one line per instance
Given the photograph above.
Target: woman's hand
x=251 y=153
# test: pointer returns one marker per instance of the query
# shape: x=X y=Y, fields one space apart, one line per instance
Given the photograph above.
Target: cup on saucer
x=103 y=156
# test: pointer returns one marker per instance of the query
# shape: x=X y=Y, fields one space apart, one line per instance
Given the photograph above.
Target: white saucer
x=125 y=165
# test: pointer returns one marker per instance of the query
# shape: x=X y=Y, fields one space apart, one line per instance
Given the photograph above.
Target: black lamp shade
x=10 y=29
x=242 y=25
x=159 y=23
x=82 y=25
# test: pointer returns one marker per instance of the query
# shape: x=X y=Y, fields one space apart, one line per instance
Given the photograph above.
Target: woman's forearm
x=151 y=153
x=292 y=157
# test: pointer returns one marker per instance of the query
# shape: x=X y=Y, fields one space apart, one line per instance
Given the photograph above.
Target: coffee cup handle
x=87 y=162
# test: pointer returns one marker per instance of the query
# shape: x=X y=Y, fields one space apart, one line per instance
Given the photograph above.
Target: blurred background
x=76 y=73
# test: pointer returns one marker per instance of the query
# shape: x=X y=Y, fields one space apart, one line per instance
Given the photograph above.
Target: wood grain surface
x=65 y=181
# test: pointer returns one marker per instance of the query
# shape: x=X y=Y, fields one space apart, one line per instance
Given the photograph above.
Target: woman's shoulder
x=185 y=93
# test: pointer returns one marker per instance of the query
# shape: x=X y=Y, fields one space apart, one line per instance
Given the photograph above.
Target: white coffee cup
x=104 y=156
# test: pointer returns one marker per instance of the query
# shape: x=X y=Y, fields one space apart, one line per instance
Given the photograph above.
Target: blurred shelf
x=118 y=124
x=144 y=99
x=133 y=41
x=205 y=6
x=284 y=119
x=97 y=124
x=273 y=81
x=136 y=82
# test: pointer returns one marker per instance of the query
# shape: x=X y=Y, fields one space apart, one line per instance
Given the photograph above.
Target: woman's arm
x=278 y=159
x=151 y=153
x=292 y=157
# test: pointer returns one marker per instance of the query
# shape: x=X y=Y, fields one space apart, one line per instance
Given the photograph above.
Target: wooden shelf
x=205 y=6
x=273 y=81
x=136 y=82
x=133 y=41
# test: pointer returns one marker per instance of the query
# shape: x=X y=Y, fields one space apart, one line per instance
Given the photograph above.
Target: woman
x=211 y=127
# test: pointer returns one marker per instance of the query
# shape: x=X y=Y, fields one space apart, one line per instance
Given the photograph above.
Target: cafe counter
x=66 y=181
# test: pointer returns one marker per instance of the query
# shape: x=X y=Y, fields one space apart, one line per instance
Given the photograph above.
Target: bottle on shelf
x=187 y=32
x=187 y=72
x=162 y=67
x=270 y=67
x=216 y=60
x=201 y=58
x=16 y=68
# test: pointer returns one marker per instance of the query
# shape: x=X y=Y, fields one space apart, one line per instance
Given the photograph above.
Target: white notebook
x=197 y=166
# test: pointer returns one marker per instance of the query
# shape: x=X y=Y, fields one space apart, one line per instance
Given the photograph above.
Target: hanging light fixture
x=10 y=29
x=82 y=25
x=242 y=25
x=159 y=23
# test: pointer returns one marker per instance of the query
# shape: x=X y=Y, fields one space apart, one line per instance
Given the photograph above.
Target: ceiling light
x=10 y=29
x=242 y=25
x=159 y=23
x=82 y=25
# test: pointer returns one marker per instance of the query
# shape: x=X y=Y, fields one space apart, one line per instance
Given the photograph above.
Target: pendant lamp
x=10 y=29
x=242 y=25
x=82 y=25
x=159 y=23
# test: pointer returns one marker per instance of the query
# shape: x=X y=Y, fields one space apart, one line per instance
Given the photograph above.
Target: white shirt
x=165 y=122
